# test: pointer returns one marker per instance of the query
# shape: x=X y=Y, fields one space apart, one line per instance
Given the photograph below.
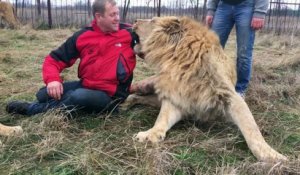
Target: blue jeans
x=226 y=16
x=75 y=96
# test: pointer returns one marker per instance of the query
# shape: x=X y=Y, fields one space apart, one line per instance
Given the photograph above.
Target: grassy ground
x=103 y=144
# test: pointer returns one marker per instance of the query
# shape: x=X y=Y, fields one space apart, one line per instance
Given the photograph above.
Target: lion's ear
x=172 y=26
x=174 y=30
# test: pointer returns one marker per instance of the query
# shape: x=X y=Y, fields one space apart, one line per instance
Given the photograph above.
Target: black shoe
x=17 y=107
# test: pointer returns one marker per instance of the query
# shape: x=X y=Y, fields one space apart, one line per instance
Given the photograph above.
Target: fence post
x=159 y=8
x=16 y=7
x=268 y=24
x=89 y=8
x=196 y=10
x=23 y=6
x=38 y=2
x=49 y=14
x=204 y=10
x=125 y=9
x=278 y=13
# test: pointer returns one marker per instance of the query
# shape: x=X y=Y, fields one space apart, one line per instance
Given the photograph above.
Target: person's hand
x=257 y=23
x=55 y=89
x=209 y=20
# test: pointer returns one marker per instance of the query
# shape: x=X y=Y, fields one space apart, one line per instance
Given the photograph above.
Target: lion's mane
x=192 y=68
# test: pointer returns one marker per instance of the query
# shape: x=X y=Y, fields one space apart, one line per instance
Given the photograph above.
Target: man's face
x=109 y=21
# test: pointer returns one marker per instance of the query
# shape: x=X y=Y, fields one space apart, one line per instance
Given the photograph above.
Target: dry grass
x=55 y=143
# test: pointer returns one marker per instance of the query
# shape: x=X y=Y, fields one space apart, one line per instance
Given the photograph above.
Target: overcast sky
x=183 y=3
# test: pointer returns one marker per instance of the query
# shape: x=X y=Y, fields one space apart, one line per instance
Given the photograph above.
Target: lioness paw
x=15 y=131
x=153 y=136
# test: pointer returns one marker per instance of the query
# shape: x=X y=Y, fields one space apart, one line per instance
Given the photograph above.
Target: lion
x=8 y=15
x=194 y=78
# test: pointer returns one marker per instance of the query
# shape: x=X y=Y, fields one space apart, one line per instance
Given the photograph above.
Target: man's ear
x=98 y=16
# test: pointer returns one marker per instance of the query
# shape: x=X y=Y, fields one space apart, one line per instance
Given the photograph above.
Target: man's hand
x=55 y=90
x=257 y=23
x=209 y=20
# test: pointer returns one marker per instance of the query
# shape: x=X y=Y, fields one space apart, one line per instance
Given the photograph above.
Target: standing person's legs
x=223 y=21
x=245 y=41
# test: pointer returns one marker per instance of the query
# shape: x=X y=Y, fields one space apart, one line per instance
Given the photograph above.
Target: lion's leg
x=168 y=116
x=145 y=86
x=142 y=92
x=134 y=99
x=242 y=117
x=10 y=130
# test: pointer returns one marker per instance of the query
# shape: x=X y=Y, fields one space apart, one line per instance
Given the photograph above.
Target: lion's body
x=7 y=15
x=194 y=78
x=197 y=64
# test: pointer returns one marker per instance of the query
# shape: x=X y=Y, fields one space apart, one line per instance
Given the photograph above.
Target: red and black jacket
x=106 y=63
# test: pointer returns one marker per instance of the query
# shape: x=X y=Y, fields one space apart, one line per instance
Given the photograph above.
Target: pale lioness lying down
x=8 y=15
x=194 y=79
x=10 y=130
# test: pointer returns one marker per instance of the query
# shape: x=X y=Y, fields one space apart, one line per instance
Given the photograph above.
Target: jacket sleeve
x=59 y=59
x=261 y=8
x=212 y=6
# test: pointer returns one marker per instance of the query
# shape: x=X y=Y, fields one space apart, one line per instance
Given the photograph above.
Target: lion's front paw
x=281 y=157
x=268 y=154
x=274 y=157
x=151 y=135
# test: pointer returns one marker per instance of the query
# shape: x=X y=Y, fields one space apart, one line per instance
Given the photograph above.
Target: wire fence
x=282 y=17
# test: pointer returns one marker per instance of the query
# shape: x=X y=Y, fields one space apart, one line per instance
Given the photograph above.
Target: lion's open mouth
x=141 y=55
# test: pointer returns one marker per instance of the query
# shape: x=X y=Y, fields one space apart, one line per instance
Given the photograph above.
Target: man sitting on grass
x=105 y=72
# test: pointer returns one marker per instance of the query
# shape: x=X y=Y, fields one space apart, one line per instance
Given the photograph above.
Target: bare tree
x=16 y=6
x=49 y=14
x=23 y=6
x=38 y=3
x=158 y=7
x=89 y=8
x=195 y=4
x=148 y=6
x=204 y=10
x=125 y=9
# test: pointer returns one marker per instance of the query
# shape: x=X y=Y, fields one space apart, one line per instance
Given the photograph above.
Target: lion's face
x=143 y=28
x=146 y=28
